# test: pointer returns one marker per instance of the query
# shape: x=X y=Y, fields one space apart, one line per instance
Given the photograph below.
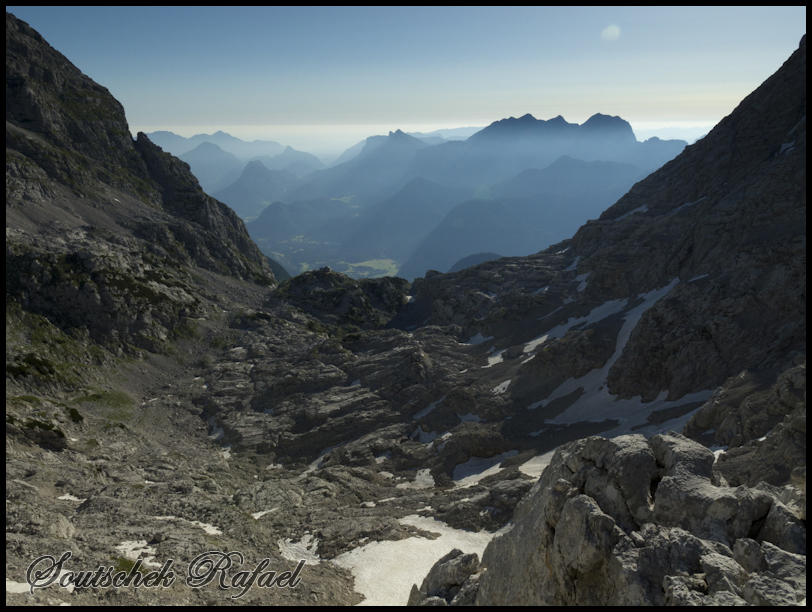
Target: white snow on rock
x=428 y=409
x=495 y=358
x=296 y=551
x=216 y=432
x=258 y=515
x=69 y=497
x=207 y=527
x=424 y=437
x=535 y=466
x=581 y=278
x=596 y=314
x=501 y=387
x=316 y=463
x=596 y=403
x=476 y=468
x=385 y=571
x=684 y=206
x=573 y=265
x=423 y=480
x=639 y=209
x=478 y=339
x=464 y=418
x=134 y=549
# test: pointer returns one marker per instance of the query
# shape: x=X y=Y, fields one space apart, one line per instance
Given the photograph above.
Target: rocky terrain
x=166 y=396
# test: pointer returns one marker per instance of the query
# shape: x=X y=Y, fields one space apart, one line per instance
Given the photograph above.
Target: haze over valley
x=404 y=204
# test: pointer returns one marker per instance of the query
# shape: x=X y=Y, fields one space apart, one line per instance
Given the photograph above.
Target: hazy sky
x=322 y=79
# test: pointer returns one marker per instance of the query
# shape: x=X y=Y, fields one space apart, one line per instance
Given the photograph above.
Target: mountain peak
x=609 y=125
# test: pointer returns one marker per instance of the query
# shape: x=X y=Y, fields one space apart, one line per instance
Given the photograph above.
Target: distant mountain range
x=177 y=145
x=256 y=188
x=407 y=203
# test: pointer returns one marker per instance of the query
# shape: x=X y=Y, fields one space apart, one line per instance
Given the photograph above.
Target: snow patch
x=581 y=278
x=427 y=409
x=262 y=513
x=679 y=208
x=316 y=463
x=478 y=339
x=596 y=403
x=501 y=387
x=385 y=571
x=696 y=278
x=138 y=549
x=304 y=549
x=423 y=480
x=476 y=468
x=69 y=497
x=596 y=314
x=535 y=466
x=495 y=358
x=464 y=418
x=573 y=265
x=786 y=147
x=639 y=209
x=216 y=432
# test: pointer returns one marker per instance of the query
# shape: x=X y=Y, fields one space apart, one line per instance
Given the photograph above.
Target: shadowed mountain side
x=244 y=151
x=298 y=162
x=392 y=228
x=280 y=221
x=379 y=168
x=511 y=145
x=98 y=211
x=472 y=260
x=256 y=188
x=511 y=226
x=209 y=164
x=568 y=174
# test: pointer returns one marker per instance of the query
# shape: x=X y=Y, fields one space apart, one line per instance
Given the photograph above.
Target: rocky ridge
x=166 y=397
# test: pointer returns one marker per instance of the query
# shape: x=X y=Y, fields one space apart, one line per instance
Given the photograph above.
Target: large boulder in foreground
x=630 y=521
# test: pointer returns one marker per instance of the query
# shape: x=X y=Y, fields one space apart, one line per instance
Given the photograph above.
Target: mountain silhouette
x=256 y=188
x=210 y=163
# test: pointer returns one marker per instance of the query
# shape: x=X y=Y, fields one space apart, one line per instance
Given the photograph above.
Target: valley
x=613 y=413
x=403 y=200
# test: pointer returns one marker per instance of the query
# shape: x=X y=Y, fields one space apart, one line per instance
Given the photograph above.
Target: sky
x=323 y=78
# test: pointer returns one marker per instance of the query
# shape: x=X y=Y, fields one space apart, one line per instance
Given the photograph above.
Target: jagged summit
x=610 y=127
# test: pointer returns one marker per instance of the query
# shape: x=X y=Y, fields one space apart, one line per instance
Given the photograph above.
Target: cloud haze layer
x=206 y=68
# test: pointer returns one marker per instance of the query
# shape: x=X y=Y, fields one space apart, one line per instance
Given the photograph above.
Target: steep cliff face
x=102 y=232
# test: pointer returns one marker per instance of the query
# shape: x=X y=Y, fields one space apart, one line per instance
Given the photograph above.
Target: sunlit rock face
x=635 y=522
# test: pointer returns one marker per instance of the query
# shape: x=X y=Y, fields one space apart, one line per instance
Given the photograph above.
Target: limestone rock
x=578 y=543
x=449 y=579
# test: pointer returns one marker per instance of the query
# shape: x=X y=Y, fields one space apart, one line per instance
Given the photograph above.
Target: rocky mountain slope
x=165 y=396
